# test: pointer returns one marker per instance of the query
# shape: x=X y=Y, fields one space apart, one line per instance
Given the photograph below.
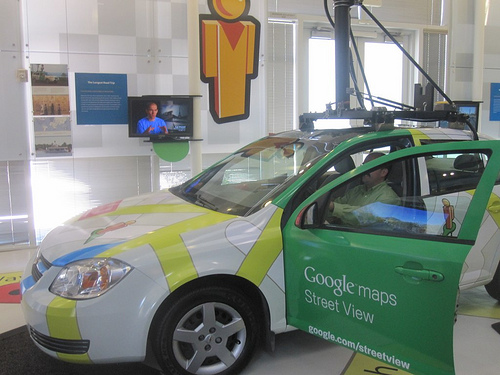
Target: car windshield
x=253 y=176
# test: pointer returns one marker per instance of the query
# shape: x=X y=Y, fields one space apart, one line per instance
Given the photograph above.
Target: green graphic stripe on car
x=170 y=249
x=62 y=323
x=264 y=252
x=156 y=208
x=493 y=208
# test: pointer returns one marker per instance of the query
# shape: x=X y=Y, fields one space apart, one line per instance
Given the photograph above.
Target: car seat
x=344 y=165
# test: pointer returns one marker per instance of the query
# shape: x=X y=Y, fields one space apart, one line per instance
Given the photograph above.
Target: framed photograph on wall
x=51 y=110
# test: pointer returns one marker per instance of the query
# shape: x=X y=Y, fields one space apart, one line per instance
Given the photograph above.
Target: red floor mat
x=10 y=291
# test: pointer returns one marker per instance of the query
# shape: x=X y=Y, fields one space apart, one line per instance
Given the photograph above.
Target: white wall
x=144 y=39
x=147 y=41
x=491 y=66
x=12 y=92
x=475 y=55
x=402 y=11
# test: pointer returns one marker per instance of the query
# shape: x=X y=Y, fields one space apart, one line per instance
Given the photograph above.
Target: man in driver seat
x=373 y=189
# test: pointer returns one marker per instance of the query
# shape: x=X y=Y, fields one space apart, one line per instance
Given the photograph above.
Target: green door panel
x=369 y=293
x=388 y=295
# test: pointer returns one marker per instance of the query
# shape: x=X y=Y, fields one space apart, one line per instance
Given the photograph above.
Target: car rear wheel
x=208 y=331
x=493 y=288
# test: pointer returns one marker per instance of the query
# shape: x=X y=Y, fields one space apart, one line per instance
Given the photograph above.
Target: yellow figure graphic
x=229 y=44
x=449 y=215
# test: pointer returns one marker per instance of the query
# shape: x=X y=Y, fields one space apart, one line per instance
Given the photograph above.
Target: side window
x=431 y=198
x=454 y=172
x=366 y=201
x=356 y=158
x=346 y=162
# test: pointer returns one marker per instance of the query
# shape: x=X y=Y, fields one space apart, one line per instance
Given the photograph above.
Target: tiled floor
x=477 y=344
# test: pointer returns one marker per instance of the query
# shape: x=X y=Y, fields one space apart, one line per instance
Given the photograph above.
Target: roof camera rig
x=379 y=117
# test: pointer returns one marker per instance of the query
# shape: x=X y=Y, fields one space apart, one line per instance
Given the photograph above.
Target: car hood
x=119 y=226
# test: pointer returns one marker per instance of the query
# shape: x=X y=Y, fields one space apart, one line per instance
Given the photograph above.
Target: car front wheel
x=207 y=331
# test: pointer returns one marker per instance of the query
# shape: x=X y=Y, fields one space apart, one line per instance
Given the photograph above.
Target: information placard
x=101 y=99
x=495 y=102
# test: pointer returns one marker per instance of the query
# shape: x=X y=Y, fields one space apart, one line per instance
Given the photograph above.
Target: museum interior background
x=154 y=43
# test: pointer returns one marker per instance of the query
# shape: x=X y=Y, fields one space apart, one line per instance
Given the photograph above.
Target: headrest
x=344 y=165
x=468 y=163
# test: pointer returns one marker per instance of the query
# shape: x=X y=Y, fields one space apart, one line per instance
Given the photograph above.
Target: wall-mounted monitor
x=160 y=117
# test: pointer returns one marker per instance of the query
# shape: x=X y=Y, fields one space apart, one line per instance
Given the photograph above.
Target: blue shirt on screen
x=144 y=124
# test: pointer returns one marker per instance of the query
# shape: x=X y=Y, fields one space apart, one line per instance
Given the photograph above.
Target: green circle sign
x=171 y=151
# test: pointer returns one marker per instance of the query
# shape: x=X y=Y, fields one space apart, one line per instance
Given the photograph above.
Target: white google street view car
x=203 y=272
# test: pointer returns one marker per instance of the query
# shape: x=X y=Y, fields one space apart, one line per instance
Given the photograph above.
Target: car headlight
x=89 y=278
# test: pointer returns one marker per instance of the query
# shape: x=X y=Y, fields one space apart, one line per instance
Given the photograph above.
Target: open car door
x=387 y=285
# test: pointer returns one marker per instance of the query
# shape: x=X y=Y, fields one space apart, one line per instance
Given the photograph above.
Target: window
x=281 y=111
x=435 y=62
x=384 y=72
x=357 y=157
x=383 y=65
x=321 y=73
x=15 y=218
x=390 y=75
x=65 y=187
x=436 y=207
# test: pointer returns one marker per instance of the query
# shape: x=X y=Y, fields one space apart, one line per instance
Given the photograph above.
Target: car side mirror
x=308 y=217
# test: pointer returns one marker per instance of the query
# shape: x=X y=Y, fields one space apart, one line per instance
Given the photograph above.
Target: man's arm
x=343 y=207
x=142 y=127
x=162 y=125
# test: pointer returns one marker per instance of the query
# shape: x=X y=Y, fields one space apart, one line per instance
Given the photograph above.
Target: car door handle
x=420 y=274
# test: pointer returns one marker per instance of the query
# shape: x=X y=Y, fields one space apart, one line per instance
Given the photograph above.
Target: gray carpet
x=19 y=356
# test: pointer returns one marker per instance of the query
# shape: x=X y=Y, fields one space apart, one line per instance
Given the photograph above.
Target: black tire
x=493 y=288
x=209 y=331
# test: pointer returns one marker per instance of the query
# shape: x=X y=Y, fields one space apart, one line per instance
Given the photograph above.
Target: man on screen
x=151 y=124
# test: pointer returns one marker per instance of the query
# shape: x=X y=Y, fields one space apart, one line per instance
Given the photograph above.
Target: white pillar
x=478 y=67
x=194 y=83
